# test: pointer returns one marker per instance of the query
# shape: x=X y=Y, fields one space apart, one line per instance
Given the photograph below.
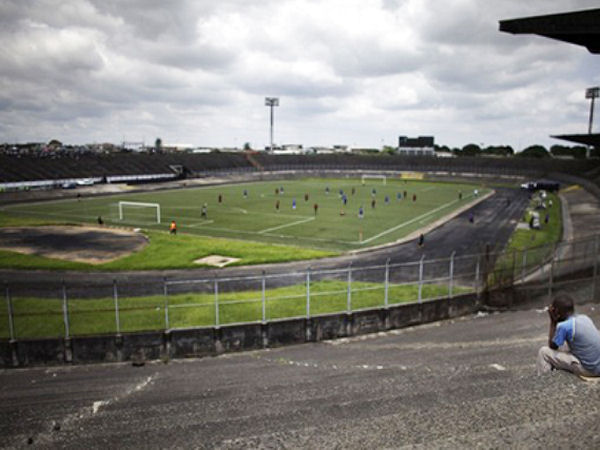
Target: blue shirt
x=583 y=338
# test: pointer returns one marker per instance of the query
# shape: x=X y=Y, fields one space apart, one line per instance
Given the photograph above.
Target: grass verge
x=35 y=317
x=528 y=248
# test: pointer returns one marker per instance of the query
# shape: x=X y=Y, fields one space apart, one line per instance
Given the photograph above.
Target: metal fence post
x=595 y=268
x=514 y=267
x=263 y=300
x=216 y=302
x=116 y=298
x=308 y=293
x=451 y=276
x=421 y=277
x=523 y=265
x=477 y=275
x=349 y=297
x=166 y=292
x=11 y=324
x=65 y=308
x=550 y=279
x=387 y=282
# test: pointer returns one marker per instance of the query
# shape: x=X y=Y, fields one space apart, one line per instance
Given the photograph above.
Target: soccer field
x=278 y=211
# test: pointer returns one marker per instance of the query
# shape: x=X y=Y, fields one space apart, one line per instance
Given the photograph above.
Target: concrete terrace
x=454 y=384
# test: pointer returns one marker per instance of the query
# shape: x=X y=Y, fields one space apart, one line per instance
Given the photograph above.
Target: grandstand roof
x=586 y=139
x=577 y=27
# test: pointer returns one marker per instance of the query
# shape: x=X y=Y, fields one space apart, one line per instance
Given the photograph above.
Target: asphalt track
x=463 y=383
x=494 y=220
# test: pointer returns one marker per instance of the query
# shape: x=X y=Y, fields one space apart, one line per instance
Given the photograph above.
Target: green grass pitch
x=255 y=217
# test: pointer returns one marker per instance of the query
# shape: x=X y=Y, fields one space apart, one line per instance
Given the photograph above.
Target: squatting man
x=580 y=335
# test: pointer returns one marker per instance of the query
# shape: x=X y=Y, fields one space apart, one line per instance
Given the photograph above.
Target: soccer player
x=306 y=197
x=344 y=199
x=373 y=192
x=294 y=203
x=373 y=202
x=460 y=195
x=277 y=205
x=245 y=193
x=387 y=199
x=421 y=240
x=316 y=207
x=100 y=221
x=203 y=212
x=220 y=198
x=361 y=212
x=327 y=190
x=173 y=227
x=398 y=196
x=353 y=190
x=414 y=197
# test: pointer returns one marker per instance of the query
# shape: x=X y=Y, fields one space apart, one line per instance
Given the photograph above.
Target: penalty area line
x=291 y=224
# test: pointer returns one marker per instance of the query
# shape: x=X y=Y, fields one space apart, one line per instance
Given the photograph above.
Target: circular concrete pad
x=93 y=245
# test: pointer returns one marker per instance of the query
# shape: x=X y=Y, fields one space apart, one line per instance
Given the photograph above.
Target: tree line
x=533 y=151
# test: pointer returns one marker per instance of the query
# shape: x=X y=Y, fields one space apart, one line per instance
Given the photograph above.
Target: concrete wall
x=200 y=342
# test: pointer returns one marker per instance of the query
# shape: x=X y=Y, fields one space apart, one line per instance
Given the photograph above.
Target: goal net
x=139 y=211
x=364 y=178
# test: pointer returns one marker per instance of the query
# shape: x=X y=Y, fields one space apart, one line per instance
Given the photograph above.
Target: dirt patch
x=216 y=260
x=93 y=245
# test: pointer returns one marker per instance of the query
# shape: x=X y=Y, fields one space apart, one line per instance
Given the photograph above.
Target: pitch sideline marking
x=414 y=219
x=199 y=224
x=291 y=224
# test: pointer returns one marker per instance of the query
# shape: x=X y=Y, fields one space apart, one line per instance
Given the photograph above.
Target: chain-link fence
x=60 y=309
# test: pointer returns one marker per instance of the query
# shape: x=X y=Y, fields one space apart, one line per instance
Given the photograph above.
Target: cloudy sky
x=356 y=72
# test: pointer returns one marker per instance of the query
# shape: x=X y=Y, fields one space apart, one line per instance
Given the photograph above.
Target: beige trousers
x=548 y=359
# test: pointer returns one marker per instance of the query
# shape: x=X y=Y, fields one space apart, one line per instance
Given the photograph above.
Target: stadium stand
x=121 y=166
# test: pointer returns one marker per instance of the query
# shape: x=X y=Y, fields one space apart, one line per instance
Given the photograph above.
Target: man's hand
x=553 y=313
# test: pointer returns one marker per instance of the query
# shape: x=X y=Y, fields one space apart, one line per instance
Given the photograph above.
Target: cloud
x=347 y=71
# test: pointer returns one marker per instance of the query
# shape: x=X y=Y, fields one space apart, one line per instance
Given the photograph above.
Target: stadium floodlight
x=271 y=102
x=592 y=93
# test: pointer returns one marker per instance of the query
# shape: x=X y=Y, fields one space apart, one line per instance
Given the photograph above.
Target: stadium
x=250 y=299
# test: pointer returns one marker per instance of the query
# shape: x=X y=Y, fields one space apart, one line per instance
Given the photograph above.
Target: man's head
x=563 y=306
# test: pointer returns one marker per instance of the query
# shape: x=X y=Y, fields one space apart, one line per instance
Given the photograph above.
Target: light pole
x=271 y=102
x=591 y=93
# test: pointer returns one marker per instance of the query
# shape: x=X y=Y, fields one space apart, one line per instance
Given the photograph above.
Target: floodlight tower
x=271 y=102
x=591 y=93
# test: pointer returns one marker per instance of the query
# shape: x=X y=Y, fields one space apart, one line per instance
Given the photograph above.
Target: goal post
x=365 y=177
x=139 y=205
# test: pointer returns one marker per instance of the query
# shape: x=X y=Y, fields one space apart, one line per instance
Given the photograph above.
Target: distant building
x=341 y=149
x=289 y=149
x=420 y=146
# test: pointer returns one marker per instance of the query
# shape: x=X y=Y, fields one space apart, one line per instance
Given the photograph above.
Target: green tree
x=534 y=151
x=470 y=150
x=247 y=146
x=562 y=150
x=500 y=150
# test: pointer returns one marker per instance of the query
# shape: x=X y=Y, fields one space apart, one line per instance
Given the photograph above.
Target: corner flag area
x=316 y=213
